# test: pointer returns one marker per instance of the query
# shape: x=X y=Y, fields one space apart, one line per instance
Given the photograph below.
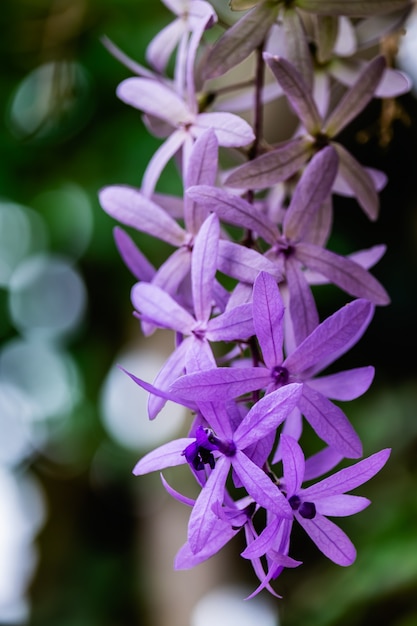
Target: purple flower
x=327 y=342
x=289 y=157
x=311 y=505
x=219 y=451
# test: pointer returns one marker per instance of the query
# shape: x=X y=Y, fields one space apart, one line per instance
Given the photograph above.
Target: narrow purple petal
x=345 y=386
x=234 y=210
x=297 y=92
x=356 y=98
x=296 y=44
x=204 y=266
x=236 y=323
x=167 y=455
x=260 y=486
x=330 y=423
x=203 y=519
x=151 y=96
x=267 y=414
x=272 y=167
x=293 y=463
x=310 y=193
x=341 y=505
x=329 y=538
x=240 y=40
x=160 y=159
x=132 y=257
x=303 y=312
x=227 y=382
x=359 y=181
x=343 y=272
x=348 y=478
x=128 y=206
x=201 y=170
x=334 y=336
x=243 y=263
x=268 y=314
x=160 y=308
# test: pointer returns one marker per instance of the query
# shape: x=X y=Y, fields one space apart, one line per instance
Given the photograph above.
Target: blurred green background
x=83 y=542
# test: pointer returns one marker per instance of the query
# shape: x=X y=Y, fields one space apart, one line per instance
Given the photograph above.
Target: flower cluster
x=249 y=243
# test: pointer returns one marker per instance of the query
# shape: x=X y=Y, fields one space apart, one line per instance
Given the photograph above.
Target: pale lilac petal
x=262 y=544
x=393 y=82
x=356 y=98
x=330 y=423
x=221 y=533
x=346 y=43
x=132 y=257
x=343 y=272
x=321 y=463
x=310 y=193
x=234 y=210
x=202 y=518
x=332 y=338
x=167 y=455
x=172 y=369
x=345 y=386
x=267 y=414
x=133 y=66
x=297 y=92
x=243 y=263
x=359 y=181
x=128 y=206
x=201 y=170
x=293 y=463
x=303 y=314
x=260 y=486
x=272 y=167
x=173 y=205
x=159 y=160
x=159 y=392
x=236 y=323
x=163 y=44
x=268 y=313
x=366 y=258
x=176 y=494
x=341 y=505
x=155 y=99
x=321 y=225
x=204 y=266
x=329 y=538
x=348 y=478
x=226 y=382
x=230 y=129
x=240 y=40
x=159 y=308
x=173 y=271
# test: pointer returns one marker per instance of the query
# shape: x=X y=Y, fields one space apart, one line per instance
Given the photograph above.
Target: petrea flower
x=158 y=308
x=221 y=451
x=328 y=341
x=291 y=249
x=183 y=119
x=287 y=158
x=311 y=505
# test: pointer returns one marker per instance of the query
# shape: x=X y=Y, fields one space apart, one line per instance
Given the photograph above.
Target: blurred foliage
x=89 y=572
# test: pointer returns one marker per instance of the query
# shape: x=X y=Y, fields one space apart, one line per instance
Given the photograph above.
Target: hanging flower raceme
x=248 y=245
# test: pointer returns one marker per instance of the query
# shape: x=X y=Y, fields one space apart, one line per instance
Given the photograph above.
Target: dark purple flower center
x=305 y=509
x=280 y=375
x=199 y=452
